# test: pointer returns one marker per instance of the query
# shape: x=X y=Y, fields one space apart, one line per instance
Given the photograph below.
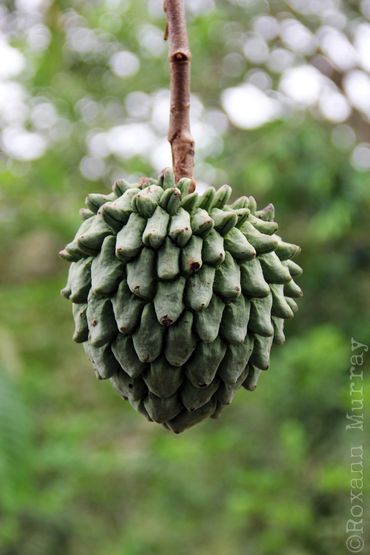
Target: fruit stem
x=179 y=134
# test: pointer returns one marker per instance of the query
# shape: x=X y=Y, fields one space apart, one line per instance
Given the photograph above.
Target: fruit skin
x=177 y=297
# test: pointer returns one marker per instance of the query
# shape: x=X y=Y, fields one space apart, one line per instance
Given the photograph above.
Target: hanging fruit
x=178 y=297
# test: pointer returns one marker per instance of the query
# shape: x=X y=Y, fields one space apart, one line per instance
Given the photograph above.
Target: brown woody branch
x=179 y=134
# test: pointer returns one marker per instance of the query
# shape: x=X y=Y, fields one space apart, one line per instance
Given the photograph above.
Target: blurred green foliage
x=80 y=472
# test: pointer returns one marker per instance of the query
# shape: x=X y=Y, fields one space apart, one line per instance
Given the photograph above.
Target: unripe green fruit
x=179 y=297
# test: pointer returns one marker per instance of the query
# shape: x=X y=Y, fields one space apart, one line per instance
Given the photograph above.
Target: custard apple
x=177 y=297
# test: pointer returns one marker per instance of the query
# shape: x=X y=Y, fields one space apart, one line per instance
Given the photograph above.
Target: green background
x=80 y=471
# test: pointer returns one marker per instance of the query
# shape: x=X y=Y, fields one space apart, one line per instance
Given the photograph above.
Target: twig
x=179 y=134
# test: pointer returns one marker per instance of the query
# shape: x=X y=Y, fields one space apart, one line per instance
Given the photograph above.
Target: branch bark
x=179 y=134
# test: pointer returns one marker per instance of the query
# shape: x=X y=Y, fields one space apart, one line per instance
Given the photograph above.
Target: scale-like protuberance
x=177 y=297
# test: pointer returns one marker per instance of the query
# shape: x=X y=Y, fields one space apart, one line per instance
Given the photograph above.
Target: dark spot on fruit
x=166 y=321
x=94 y=323
x=195 y=266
